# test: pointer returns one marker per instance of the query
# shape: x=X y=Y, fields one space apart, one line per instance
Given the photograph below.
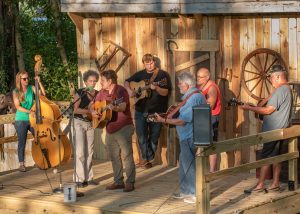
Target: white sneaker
x=190 y=200
x=179 y=195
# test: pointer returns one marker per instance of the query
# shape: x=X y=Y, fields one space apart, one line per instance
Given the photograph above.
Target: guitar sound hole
x=138 y=94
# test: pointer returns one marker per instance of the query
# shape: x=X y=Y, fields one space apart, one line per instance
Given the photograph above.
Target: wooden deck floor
x=29 y=193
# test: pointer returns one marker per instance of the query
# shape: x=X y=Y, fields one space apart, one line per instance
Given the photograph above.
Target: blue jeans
x=187 y=168
x=148 y=134
x=22 y=127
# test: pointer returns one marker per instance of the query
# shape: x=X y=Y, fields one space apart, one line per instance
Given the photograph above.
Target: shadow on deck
x=30 y=192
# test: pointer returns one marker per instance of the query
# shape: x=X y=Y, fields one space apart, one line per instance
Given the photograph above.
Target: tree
x=18 y=36
x=30 y=27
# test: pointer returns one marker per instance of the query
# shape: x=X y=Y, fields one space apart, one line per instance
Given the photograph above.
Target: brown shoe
x=141 y=163
x=22 y=168
x=147 y=165
x=128 y=187
x=114 y=186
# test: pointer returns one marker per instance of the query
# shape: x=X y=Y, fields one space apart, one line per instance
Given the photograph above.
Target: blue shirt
x=186 y=113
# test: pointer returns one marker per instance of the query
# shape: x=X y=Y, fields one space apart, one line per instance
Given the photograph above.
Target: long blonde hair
x=19 y=87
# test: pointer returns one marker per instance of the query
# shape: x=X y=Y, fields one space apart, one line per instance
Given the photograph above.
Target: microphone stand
x=60 y=190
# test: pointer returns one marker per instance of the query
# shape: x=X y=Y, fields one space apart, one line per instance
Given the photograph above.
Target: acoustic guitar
x=236 y=102
x=103 y=108
x=141 y=88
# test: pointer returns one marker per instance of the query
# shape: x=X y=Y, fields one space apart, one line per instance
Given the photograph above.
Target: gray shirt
x=281 y=100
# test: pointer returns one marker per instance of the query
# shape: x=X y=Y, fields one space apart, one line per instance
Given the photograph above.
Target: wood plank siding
x=181 y=6
x=237 y=37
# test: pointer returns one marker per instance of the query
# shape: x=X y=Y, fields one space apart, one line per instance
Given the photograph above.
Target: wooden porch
x=29 y=193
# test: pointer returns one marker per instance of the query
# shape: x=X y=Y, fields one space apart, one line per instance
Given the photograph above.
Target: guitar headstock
x=38 y=64
x=117 y=101
x=234 y=102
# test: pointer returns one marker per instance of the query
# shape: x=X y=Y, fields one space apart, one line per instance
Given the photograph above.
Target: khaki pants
x=119 y=149
x=84 y=151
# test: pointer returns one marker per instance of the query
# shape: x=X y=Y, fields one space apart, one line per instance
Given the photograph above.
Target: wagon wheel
x=254 y=70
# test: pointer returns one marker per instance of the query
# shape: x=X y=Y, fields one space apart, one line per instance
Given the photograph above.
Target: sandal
x=253 y=190
x=274 y=189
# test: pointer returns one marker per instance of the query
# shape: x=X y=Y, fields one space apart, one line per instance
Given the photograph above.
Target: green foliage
x=55 y=81
x=38 y=35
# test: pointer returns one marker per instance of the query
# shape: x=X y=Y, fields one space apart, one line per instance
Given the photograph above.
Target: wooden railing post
x=202 y=187
x=293 y=166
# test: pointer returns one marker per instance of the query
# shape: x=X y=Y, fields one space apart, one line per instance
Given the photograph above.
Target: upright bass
x=50 y=146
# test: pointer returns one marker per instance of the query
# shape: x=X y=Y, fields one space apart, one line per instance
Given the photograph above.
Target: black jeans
x=148 y=134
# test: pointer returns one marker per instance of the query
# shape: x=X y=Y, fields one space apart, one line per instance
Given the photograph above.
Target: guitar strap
x=155 y=73
x=176 y=109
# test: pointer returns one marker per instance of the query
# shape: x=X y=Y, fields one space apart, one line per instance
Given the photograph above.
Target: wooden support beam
x=192 y=62
x=77 y=20
x=293 y=164
x=248 y=166
x=12 y=139
x=202 y=187
x=196 y=45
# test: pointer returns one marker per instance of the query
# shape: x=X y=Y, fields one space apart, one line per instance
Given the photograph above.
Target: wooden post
x=202 y=187
x=293 y=164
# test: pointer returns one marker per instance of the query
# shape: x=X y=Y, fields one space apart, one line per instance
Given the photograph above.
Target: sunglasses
x=25 y=78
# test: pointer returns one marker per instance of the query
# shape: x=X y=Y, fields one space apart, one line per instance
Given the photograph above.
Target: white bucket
x=70 y=192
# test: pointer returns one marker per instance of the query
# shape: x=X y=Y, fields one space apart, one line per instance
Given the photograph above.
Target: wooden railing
x=10 y=118
x=203 y=177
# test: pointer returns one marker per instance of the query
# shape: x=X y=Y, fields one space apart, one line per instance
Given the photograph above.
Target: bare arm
x=130 y=92
x=171 y=121
x=260 y=110
x=212 y=97
x=42 y=89
x=18 y=104
x=160 y=91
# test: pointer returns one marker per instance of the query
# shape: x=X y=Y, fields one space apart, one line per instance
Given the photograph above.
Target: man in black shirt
x=151 y=98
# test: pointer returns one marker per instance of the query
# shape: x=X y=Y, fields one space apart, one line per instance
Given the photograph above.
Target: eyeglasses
x=148 y=63
x=201 y=77
x=25 y=78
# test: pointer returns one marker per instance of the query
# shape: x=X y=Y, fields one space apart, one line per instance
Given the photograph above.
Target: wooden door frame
x=192 y=45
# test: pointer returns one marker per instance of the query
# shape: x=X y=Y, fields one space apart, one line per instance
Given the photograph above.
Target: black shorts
x=215 y=126
x=272 y=149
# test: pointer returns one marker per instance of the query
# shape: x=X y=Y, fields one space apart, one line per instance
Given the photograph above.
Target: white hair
x=187 y=78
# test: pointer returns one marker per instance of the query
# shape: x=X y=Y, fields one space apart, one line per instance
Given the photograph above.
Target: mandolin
x=141 y=88
x=103 y=108
x=172 y=112
x=236 y=102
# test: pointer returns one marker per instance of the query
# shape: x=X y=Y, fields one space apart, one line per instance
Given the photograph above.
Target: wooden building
x=187 y=34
